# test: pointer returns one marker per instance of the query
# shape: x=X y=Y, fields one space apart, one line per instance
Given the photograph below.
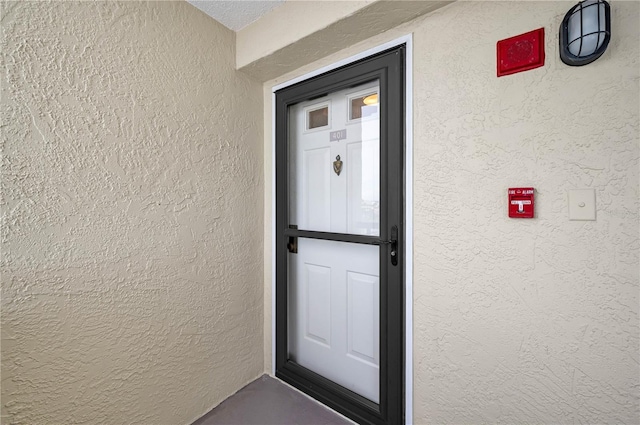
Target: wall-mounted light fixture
x=585 y=32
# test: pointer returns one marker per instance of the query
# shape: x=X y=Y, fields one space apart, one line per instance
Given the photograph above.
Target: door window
x=335 y=170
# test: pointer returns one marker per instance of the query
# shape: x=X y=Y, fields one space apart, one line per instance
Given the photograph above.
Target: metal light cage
x=585 y=32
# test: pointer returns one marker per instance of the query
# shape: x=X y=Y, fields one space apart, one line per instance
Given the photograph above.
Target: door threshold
x=307 y=396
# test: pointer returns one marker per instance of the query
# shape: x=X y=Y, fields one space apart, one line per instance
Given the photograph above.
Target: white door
x=334 y=286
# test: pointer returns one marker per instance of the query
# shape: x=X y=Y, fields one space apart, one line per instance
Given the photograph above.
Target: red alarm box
x=521 y=202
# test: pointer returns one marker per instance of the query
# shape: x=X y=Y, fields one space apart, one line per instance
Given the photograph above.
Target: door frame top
x=408 y=207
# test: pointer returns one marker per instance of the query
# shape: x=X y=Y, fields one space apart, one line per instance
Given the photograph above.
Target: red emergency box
x=521 y=202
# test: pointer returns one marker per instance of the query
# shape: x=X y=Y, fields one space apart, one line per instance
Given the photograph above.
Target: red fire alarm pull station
x=521 y=202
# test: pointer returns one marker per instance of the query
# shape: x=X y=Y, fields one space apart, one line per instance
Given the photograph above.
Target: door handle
x=292 y=245
x=394 y=246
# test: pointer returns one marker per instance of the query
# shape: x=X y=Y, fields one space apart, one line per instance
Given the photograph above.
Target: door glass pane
x=334 y=313
x=317 y=118
x=363 y=106
x=334 y=162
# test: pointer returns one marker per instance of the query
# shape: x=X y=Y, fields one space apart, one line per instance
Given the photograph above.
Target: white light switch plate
x=582 y=204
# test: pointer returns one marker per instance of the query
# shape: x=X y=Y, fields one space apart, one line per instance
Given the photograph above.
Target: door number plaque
x=336 y=136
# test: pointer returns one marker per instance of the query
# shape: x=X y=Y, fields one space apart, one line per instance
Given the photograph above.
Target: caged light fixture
x=585 y=32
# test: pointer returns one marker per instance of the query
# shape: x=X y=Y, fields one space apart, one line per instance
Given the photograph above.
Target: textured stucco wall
x=131 y=214
x=317 y=29
x=525 y=320
x=303 y=18
x=519 y=321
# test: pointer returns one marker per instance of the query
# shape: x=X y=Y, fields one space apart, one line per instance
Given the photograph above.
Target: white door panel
x=317 y=301
x=316 y=196
x=363 y=314
x=334 y=312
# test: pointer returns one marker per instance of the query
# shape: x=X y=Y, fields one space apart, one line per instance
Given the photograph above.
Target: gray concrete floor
x=267 y=401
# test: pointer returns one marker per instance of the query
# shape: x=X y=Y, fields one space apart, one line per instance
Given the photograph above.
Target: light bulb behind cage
x=585 y=32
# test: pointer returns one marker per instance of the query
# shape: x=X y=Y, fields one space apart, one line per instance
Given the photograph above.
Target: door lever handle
x=394 y=246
